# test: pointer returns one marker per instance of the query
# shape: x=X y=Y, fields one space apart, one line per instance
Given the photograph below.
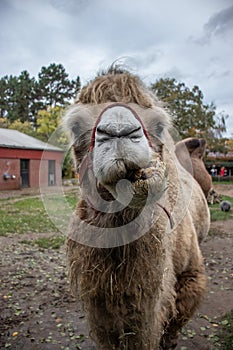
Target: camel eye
x=102 y=135
x=102 y=131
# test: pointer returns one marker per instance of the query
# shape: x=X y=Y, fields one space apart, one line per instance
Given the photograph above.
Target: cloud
x=219 y=25
x=189 y=41
x=70 y=6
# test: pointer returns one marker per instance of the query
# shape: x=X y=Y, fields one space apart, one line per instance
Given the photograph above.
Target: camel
x=196 y=149
x=190 y=153
x=132 y=249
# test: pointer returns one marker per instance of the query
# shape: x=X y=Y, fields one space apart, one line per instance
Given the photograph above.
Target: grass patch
x=217 y=214
x=226 y=335
x=54 y=242
x=24 y=215
x=51 y=242
x=222 y=182
x=72 y=199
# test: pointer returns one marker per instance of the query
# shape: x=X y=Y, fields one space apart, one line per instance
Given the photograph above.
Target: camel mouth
x=144 y=174
x=143 y=185
x=156 y=168
x=149 y=181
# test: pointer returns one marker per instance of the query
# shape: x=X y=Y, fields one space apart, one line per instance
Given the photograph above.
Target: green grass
x=72 y=199
x=24 y=215
x=226 y=334
x=54 y=242
x=217 y=214
x=51 y=242
x=222 y=182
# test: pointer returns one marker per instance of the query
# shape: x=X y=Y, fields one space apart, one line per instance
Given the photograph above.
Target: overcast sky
x=190 y=40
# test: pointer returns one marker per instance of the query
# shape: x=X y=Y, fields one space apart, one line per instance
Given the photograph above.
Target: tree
x=229 y=145
x=48 y=121
x=16 y=97
x=24 y=96
x=3 y=94
x=4 y=123
x=25 y=127
x=21 y=97
x=10 y=97
x=191 y=116
x=54 y=87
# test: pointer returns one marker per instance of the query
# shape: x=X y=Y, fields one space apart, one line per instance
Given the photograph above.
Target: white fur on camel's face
x=120 y=146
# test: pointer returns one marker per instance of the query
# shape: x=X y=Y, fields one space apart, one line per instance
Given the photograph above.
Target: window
x=51 y=173
x=24 y=172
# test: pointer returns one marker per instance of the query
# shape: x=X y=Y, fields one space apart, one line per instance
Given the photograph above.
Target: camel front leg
x=190 y=289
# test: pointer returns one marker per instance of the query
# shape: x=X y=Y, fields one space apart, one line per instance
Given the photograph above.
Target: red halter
x=117 y=104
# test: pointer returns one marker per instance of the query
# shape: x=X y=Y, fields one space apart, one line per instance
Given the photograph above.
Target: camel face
x=122 y=150
x=121 y=146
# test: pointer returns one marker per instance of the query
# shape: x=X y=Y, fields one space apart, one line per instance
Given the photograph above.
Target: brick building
x=28 y=162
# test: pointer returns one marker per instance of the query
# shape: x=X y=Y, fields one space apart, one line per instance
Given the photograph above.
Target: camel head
x=196 y=147
x=118 y=131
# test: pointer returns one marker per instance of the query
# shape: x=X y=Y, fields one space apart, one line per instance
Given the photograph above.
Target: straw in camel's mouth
x=150 y=180
x=144 y=173
x=156 y=168
x=147 y=185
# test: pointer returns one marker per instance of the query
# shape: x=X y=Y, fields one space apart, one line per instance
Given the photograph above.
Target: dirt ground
x=37 y=311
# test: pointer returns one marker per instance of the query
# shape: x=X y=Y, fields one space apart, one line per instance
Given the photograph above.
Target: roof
x=16 y=139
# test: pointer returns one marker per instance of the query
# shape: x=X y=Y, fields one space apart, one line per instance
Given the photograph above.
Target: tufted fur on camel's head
x=116 y=85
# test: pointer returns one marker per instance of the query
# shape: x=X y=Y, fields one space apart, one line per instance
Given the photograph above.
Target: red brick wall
x=11 y=167
x=38 y=167
x=58 y=174
x=29 y=154
x=34 y=166
x=43 y=173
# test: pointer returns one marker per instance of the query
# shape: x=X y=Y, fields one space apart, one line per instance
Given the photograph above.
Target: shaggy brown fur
x=137 y=295
x=122 y=87
x=196 y=149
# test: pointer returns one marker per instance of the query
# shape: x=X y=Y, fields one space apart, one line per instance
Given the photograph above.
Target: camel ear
x=78 y=121
x=191 y=144
x=157 y=122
